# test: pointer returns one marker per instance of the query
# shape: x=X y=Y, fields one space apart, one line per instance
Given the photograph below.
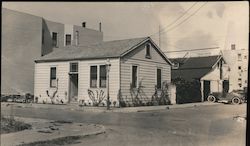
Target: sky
x=193 y=24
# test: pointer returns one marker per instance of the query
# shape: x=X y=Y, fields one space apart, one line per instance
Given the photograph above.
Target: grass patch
x=9 y=125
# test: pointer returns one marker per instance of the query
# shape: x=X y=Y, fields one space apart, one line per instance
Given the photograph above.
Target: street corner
x=47 y=131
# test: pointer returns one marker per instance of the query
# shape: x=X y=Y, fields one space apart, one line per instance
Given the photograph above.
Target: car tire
x=236 y=100
x=211 y=98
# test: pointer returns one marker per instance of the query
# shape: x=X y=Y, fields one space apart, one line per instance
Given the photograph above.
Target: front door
x=73 y=88
x=225 y=86
x=206 y=90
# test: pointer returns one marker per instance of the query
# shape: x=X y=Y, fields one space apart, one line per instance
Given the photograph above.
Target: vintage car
x=233 y=97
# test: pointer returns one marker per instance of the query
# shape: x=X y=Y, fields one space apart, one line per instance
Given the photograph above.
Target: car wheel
x=236 y=100
x=211 y=98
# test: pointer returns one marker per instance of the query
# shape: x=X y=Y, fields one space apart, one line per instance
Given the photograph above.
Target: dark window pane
x=73 y=67
x=93 y=76
x=148 y=50
x=103 y=76
x=54 y=39
x=68 y=39
x=134 y=76
x=158 y=78
x=52 y=76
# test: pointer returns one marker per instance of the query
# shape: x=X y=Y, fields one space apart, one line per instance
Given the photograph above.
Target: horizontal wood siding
x=42 y=81
x=147 y=72
x=84 y=79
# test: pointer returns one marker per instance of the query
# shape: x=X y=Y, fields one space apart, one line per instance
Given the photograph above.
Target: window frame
x=100 y=86
x=90 y=79
x=148 y=51
x=69 y=40
x=158 y=68
x=98 y=82
x=137 y=76
x=70 y=67
x=233 y=46
x=239 y=56
x=54 y=42
x=53 y=78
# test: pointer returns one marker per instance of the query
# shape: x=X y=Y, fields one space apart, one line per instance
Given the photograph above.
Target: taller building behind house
x=237 y=60
x=26 y=37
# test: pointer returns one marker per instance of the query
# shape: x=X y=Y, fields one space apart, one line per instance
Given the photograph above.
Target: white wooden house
x=70 y=72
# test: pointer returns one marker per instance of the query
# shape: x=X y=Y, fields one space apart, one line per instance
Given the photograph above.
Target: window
x=148 y=55
x=74 y=67
x=233 y=47
x=93 y=76
x=240 y=85
x=77 y=37
x=53 y=77
x=245 y=57
x=239 y=79
x=103 y=76
x=68 y=39
x=246 y=81
x=43 y=36
x=134 y=76
x=54 y=39
x=239 y=67
x=239 y=57
x=158 y=78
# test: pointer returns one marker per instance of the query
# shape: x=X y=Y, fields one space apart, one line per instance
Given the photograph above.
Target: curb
x=116 y=110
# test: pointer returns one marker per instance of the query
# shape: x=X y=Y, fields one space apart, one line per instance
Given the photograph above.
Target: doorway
x=73 y=88
x=225 y=86
x=206 y=90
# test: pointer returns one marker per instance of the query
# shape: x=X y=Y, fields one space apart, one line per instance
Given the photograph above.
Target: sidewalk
x=76 y=107
x=43 y=130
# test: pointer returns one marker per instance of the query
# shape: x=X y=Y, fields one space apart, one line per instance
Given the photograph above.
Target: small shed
x=206 y=74
x=130 y=69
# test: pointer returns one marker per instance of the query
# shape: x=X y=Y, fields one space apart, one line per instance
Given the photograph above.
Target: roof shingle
x=100 y=50
x=193 y=68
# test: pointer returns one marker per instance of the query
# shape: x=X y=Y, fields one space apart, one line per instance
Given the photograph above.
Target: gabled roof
x=108 y=49
x=194 y=67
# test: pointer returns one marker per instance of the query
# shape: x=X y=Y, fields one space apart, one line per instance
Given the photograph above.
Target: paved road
x=197 y=126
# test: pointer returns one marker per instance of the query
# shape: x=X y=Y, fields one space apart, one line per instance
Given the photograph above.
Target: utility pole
x=107 y=71
x=160 y=36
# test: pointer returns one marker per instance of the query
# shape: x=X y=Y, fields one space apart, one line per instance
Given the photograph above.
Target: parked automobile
x=233 y=97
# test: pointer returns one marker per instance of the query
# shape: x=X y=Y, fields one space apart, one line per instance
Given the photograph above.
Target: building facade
x=79 y=74
x=26 y=37
x=237 y=60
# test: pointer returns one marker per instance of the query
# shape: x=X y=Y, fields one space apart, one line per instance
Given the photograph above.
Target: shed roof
x=196 y=62
x=100 y=50
x=194 y=67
